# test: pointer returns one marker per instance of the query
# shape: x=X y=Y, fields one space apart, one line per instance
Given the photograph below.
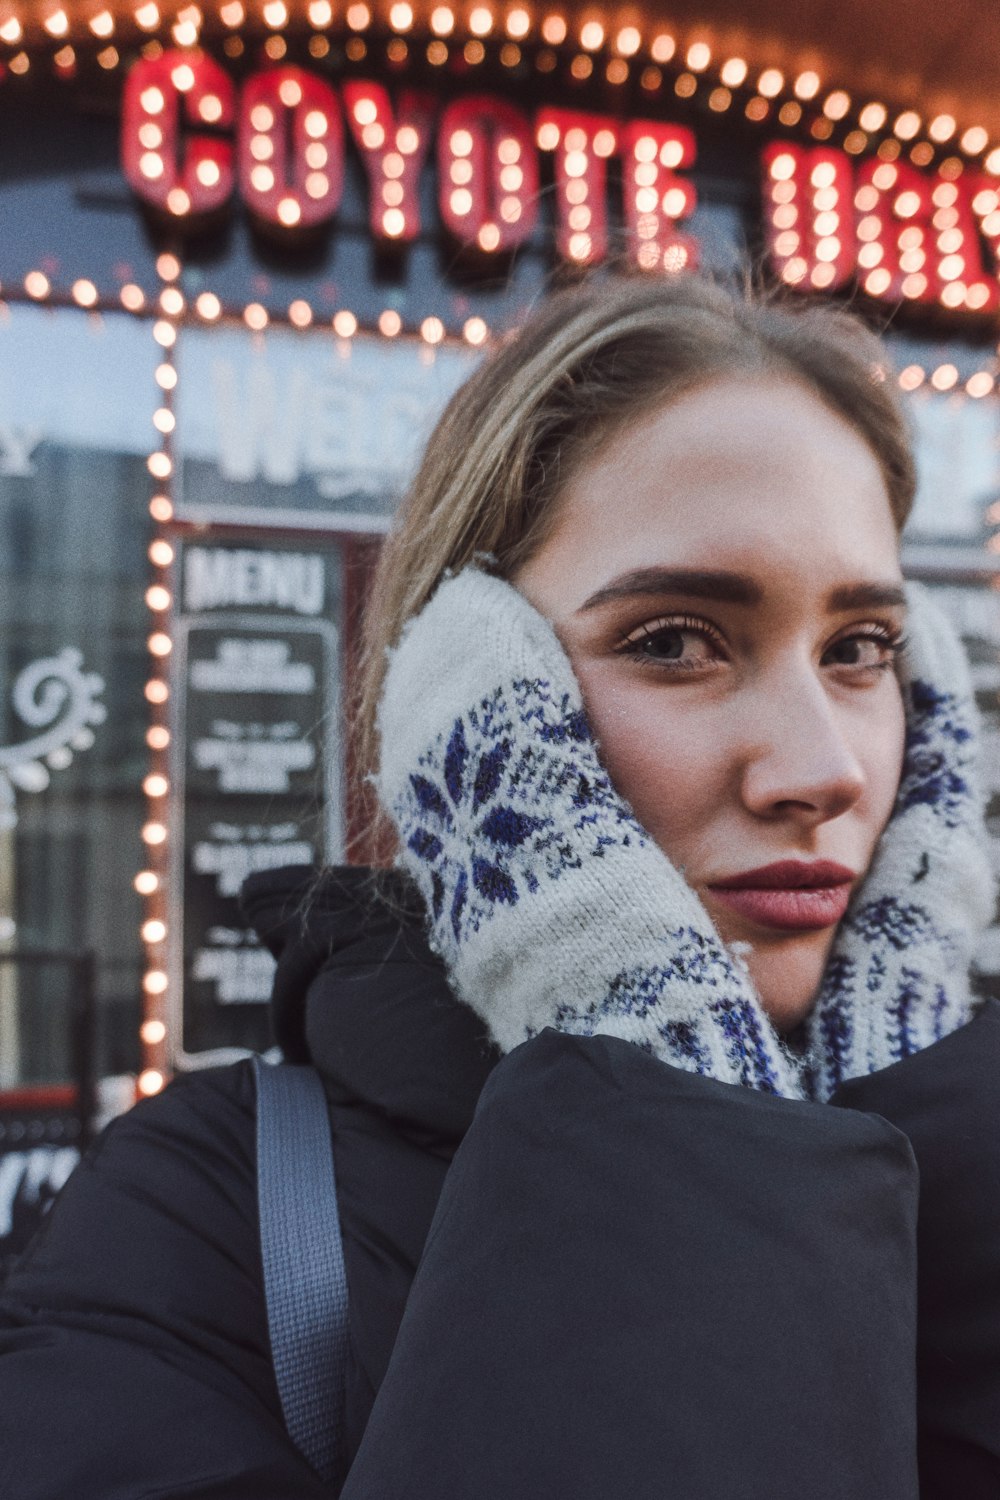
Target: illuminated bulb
x=208 y=306
x=103 y=24
x=155 y=785
x=36 y=285
x=300 y=313
x=157 y=597
x=184 y=34
x=11 y=30
x=974 y=140
x=146 y=882
x=166 y=377
x=628 y=41
x=320 y=13
x=365 y=111
x=151 y=165
x=358 y=17
x=182 y=78
x=156 y=691
x=547 y=136
x=432 y=330
x=85 y=293
x=289 y=211
x=407 y=140
x=150 y=1081
x=592 y=35
x=481 y=21
x=159 y=466
x=783 y=167
x=911 y=378
x=475 y=331
x=442 y=21
x=316 y=124
x=734 y=71
x=160 y=508
x=836 y=105
x=165 y=334
x=275 y=14
x=161 y=554
x=604 y=143
x=150 y=136
x=152 y=1033
x=159 y=644
x=262 y=178
x=944 y=377
x=770 y=83
x=699 y=55
x=873 y=117
x=157 y=737
x=992 y=162
x=554 y=30
x=580 y=246
x=345 y=324
x=290 y=92
x=210 y=108
x=460 y=202
x=152 y=101
x=518 y=24
x=389 y=323
x=19 y=63
x=154 y=834
x=57 y=24
x=164 y=420
x=172 y=301
x=907 y=125
x=393 y=223
x=178 y=201
x=979 y=384
x=317 y=184
x=255 y=316
x=317 y=154
x=232 y=14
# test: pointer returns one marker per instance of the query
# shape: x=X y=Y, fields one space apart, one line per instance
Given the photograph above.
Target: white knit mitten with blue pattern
x=549 y=904
x=897 y=979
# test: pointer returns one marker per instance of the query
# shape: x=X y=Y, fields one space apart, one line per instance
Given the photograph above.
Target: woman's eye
x=677 y=645
x=866 y=653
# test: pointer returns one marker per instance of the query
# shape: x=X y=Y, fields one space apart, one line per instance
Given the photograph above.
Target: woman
x=662 y=1108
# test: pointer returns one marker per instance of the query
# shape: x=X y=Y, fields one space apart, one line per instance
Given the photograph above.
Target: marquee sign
x=192 y=142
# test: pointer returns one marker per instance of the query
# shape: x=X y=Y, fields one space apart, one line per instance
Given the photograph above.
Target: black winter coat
x=573 y=1272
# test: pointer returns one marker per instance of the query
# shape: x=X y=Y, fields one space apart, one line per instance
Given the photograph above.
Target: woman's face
x=725 y=578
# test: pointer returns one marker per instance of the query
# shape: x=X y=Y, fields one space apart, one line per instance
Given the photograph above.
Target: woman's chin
x=786 y=972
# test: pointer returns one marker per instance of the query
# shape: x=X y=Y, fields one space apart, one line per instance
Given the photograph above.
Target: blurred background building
x=246 y=253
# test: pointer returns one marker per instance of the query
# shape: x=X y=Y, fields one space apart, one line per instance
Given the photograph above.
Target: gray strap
x=303 y=1258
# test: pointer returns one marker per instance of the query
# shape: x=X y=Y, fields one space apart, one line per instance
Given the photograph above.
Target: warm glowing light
x=836 y=105
x=232 y=14
x=393 y=222
x=907 y=124
x=770 y=83
x=85 y=293
x=475 y=331
x=432 y=330
x=481 y=21
x=300 y=314
x=156 y=691
x=11 y=30
x=873 y=117
x=182 y=78
x=146 y=882
x=262 y=178
x=165 y=334
x=290 y=92
x=942 y=128
x=154 y=834
x=980 y=384
x=289 y=211
x=944 y=377
x=103 y=24
x=152 y=1033
x=442 y=21
x=163 y=420
x=166 y=377
x=734 y=71
x=275 y=14
x=912 y=377
x=320 y=13
x=56 y=24
x=628 y=41
x=389 y=323
x=547 y=136
x=159 y=644
x=161 y=554
x=208 y=306
x=255 y=316
x=401 y=16
x=157 y=737
x=992 y=162
x=172 y=301
x=160 y=508
x=150 y=1080
x=974 y=140
x=178 y=201
x=157 y=598
x=155 y=785
x=345 y=324
x=358 y=17
x=460 y=202
x=699 y=55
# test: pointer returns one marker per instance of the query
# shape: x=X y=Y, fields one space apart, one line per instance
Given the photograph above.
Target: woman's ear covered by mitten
x=898 y=976
x=548 y=902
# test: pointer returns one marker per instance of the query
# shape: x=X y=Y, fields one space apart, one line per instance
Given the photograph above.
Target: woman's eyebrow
x=733 y=588
x=868 y=596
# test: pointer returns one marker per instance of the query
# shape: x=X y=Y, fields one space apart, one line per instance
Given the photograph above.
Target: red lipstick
x=791 y=894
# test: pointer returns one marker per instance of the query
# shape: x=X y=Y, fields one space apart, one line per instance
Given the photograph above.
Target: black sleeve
x=644 y=1283
x=134 y=1357
x=947 y=1100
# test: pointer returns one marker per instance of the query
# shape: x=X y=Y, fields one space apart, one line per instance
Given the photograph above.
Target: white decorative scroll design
x=55 y=696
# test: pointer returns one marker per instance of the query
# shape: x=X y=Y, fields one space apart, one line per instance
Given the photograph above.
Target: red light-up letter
x=897 y=256
x=291 y=147
x=488 y=173
x=393 y=146
x=184 y=174
x=655 y=197
x=963 y=211
x=808 y=223
x=582 y=144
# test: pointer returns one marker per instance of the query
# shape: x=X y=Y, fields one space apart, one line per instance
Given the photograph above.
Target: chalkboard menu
x=257 y=766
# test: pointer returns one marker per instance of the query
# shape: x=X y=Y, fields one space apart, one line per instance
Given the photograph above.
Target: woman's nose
x=799 y=759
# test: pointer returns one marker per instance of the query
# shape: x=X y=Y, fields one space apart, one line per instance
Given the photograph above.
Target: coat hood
x=360 y=995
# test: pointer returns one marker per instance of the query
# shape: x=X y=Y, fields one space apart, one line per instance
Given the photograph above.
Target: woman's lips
x=794 y=895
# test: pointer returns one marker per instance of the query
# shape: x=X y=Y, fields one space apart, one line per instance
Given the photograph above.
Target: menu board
x=257 y=767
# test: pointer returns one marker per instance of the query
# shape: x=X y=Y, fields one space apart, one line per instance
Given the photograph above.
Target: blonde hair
x=589 y=363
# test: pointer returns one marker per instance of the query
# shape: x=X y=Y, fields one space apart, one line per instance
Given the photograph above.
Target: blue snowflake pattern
x=939 y=744
x=499 y=803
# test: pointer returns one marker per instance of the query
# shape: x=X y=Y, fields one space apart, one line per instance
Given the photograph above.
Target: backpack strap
x=303 y=1258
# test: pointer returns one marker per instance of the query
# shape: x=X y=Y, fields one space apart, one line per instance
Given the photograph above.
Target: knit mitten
x=547 y=901
x=897 y=979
